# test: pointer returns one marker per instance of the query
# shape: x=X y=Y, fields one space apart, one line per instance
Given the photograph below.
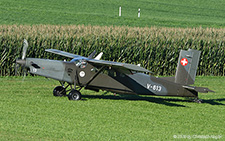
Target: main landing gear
x=197 y=100
x=194 y=99
x=61 y=91
x=74 y=95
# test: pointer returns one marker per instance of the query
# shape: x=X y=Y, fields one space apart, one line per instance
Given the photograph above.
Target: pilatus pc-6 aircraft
x=122 y=78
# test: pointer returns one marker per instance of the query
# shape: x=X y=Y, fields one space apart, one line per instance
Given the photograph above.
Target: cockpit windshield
x=79 y=62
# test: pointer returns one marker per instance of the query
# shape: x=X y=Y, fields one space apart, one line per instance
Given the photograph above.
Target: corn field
x=155 y=48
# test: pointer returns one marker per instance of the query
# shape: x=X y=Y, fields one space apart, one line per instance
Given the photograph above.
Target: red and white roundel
x=184 y=61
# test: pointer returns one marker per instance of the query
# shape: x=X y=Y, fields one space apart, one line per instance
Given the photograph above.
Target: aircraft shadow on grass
x=157 y=100
x=215 y=101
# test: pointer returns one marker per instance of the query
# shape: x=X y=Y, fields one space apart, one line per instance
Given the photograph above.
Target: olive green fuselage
x=120 y=81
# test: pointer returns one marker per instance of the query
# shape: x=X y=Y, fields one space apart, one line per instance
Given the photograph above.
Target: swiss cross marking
x=184 y=62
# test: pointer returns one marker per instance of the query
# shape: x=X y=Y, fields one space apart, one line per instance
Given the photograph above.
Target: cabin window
x=122 y=75
x=112 y=73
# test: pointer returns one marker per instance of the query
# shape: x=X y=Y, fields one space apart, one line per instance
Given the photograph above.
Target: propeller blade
x=25 y=46
x=22 y=61
x=24 y=75
x=24 y=72
x=16 y=68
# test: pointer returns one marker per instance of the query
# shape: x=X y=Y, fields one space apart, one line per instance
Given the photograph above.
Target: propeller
x=25 y=46
x=22 y=61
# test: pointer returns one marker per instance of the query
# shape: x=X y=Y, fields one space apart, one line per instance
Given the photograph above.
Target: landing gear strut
x=59 y=91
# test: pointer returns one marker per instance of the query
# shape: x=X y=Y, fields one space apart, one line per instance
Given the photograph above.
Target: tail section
x=187 y=66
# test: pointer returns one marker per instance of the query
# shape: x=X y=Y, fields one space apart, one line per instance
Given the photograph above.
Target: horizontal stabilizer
x=198 y=89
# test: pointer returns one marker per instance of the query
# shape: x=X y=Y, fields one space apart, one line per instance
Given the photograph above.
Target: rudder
x=187 y=66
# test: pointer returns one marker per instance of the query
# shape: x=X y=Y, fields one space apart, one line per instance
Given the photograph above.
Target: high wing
x=96 y=62
x=63 y=53
x=117 y=65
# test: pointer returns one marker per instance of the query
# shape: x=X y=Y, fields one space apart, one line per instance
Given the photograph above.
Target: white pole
x=139 y=13
x=119 y=11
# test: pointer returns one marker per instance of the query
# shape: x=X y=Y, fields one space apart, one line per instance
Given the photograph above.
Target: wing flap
x=117 y=65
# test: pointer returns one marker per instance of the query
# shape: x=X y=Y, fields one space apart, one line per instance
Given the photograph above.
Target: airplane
x=121 y=78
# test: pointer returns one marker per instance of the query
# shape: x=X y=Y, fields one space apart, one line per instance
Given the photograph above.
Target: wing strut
x=76 y=80
x=94 y=76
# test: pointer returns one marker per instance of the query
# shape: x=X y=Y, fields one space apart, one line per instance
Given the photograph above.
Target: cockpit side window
x=112 y=73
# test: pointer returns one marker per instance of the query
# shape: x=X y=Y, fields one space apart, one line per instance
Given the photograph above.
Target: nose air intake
x=21 y=62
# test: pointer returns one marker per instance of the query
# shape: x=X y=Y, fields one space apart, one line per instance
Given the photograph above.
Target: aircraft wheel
x=59 y=91
x=74 y=95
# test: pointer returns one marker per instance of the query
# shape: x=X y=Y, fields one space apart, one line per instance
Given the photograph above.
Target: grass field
x=29 y=111
x=174 y=13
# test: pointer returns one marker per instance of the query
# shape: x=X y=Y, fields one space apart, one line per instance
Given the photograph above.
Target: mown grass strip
x=30 y=111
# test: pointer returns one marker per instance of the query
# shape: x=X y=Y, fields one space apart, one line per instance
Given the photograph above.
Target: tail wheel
x=74 y=95
x=59 y=91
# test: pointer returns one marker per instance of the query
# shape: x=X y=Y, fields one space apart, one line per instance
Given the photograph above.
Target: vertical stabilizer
x=187 y=66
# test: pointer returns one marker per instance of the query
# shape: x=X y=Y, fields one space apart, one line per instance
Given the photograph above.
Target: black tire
x=59 y=91
x=74 y=95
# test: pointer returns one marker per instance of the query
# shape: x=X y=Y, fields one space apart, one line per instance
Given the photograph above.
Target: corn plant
x=155 y=48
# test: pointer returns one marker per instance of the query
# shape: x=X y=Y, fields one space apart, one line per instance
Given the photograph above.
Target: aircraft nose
x=21 y=62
